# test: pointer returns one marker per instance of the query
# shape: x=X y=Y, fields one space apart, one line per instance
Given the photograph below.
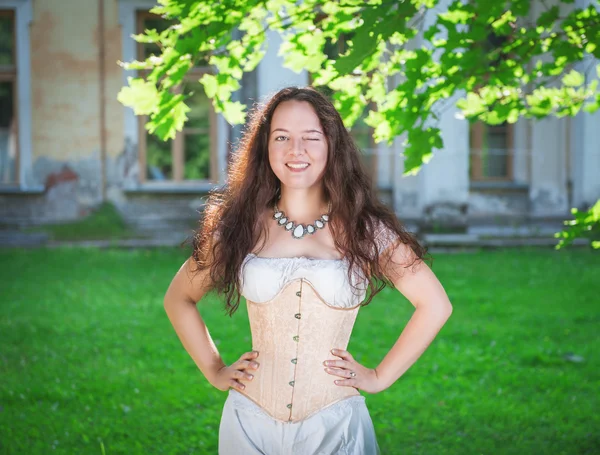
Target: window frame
x=477 y=132
x=10 y=73
x=478 y=129
x=25 y=181
x=178 y=143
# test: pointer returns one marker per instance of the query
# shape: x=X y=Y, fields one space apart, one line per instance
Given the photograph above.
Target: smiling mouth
x=297 y=165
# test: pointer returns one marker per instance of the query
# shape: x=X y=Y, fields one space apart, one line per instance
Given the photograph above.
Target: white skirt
x=343 y=428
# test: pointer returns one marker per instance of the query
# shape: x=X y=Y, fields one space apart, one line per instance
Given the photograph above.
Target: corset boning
x=293 y=334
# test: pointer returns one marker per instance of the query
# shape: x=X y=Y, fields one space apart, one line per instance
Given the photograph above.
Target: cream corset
x=299 y=309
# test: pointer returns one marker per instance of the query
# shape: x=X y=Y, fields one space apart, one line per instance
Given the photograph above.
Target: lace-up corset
x=299 y=309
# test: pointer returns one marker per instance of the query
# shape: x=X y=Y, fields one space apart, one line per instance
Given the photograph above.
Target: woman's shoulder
x=384 y=235
x=389 y=233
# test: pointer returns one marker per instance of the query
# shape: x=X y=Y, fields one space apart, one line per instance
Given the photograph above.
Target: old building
x=66 y=144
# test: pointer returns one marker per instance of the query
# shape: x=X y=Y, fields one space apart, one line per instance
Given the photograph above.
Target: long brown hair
x=230 y=226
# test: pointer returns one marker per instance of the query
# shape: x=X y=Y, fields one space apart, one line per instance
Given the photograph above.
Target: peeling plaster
x=126 y=169
x=445 y=213
x=548 y=201
x=498 y=204
x=72 y=188
x=66 y=174
x=409 y=200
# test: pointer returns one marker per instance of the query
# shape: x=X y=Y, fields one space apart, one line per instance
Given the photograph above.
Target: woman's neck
x=302 y=205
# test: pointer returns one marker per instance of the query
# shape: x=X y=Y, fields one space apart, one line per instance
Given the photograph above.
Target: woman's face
x=297 y=145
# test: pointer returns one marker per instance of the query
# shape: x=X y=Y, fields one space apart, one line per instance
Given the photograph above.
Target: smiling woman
x=297 y=390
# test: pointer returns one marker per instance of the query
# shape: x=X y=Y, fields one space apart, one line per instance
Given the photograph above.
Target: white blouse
x=263 y=278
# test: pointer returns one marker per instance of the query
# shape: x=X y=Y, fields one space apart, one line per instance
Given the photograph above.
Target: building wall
x=65 y=130
x=66 y=89
x=65 y=172
x=556 y=163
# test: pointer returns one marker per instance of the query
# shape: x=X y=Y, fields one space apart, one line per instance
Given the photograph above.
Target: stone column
x=585 y=159
x=405 y=189
x=589 y=178
x=444 y=181
x=585 y=144
x=521 y=151
x=548 y=186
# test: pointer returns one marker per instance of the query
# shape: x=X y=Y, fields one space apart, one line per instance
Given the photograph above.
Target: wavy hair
x=230 y=227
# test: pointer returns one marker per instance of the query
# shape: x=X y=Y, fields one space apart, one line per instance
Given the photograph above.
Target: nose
x=296 y=147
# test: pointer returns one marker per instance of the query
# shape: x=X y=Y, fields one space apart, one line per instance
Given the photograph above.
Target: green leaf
x=456 y=16
x=234 y=112
x=472 y=105
x=166 y=126
x=573 y=79
x=209 y=81
x=377 y=24
x=363 y=44
x=140 y=95
x=584 y=224
x=548 y=17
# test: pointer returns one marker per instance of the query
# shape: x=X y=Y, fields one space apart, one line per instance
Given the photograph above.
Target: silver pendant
x=298 y=230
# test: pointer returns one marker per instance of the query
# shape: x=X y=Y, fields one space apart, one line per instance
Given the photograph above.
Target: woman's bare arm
x=432 y=309
x=422 y=288
x=186 y=289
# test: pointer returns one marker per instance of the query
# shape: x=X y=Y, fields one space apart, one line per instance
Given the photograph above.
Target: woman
x=298 y=232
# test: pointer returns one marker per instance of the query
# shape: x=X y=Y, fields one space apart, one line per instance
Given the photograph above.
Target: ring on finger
x=352 y=374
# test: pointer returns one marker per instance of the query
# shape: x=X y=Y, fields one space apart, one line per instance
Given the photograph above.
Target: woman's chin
x=293 y=184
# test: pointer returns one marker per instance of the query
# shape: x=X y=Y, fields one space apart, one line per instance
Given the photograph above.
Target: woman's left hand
x=363 y=378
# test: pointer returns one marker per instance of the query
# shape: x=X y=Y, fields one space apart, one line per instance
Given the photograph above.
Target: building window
x=192 y=155
x=492 y=146
x=491 y=151
x=9 y=156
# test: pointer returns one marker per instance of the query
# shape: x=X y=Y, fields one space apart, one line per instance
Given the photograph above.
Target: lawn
x=89 y=363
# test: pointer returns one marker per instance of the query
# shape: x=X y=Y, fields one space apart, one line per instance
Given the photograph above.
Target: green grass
x=88 y=358
x=104 y=223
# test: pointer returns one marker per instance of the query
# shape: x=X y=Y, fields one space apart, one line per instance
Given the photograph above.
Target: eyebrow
x=305 y=131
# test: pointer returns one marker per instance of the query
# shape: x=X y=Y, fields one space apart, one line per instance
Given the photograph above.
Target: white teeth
x=298 y=166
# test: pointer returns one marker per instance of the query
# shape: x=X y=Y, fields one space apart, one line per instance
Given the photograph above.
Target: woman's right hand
x=229 y=376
